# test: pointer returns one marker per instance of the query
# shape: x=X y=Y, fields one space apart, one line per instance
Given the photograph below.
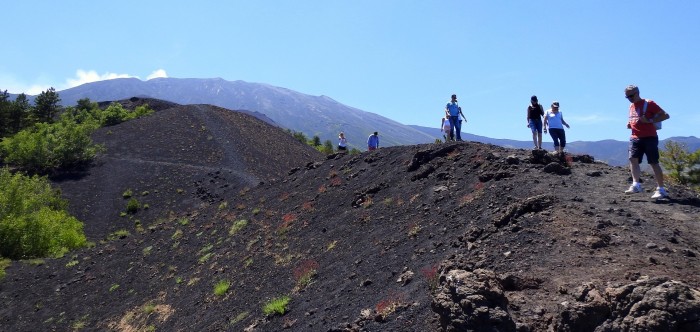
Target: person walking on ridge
x=534 y=121
x=445 y=127
x=454 y=111
x=373 y=142
x=555 y=120
x=644 y=116
x=342 y=142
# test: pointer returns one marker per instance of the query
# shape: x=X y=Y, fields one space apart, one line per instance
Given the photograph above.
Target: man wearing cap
x=555 y=120
x=643 y=115
x=534 y=121
x=453 y=110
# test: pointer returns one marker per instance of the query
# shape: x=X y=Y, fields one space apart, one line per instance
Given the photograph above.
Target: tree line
x=37 y=140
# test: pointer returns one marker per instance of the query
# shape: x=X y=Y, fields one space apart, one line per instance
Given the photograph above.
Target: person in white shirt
x=555 y=120
x=342 y=142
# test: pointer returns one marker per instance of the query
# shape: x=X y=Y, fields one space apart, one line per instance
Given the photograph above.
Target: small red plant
x=289 y=218
x=284 y=196
x=389 y=304
x=305 y=268
x=322 y=189
x=303 y=273
x=431 y=275
x=308 y=206
x=479 y=186
x=336 y=181
x=569 y=160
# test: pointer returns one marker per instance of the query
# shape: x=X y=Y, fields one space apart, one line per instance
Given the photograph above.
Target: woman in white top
x=342 y=143
x=445 y=127
x=555 y=120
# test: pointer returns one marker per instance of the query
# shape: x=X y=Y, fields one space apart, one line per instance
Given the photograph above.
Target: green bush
x=50 y=146
x=132 y=205
x=221 y=287
x=276 y=306
x=33 y=219
x=4 y=263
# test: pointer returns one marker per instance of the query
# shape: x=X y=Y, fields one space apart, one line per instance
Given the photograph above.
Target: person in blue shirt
x=373 y=141
x=453 y=110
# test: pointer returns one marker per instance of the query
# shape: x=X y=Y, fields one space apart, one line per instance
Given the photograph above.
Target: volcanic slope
x=173 y=160
x=439 y=237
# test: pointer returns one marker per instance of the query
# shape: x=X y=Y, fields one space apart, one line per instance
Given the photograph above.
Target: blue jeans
x=558 y=136
x=456 y=125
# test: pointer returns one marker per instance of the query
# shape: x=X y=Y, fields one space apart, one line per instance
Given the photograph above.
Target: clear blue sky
x=399 y=59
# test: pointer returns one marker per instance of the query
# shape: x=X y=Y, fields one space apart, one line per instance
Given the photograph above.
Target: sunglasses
x=629 y=96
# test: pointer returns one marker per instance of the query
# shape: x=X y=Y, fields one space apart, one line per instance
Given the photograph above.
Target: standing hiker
x=342 y=142
x=555 y=120
x=644 y=117
x=454 y=111
x=445 y=127
x=534 y=121
x=373 y=142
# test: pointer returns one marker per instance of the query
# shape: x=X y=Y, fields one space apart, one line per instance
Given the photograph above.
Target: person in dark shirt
x=534 y=121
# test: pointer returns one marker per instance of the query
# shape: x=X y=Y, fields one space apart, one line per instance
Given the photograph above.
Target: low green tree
x=33 y=219
x=680 y=164
x=47 y=106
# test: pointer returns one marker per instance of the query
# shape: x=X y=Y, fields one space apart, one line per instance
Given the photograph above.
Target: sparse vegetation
x=304 y=274
x=4 y=263
x=221 y=287
x=237 y=226
x=277 y=306
x=239 y=317
x=127 y=193
x=113 y=287
x=120 y=234
x=331 y=245
x=132 y=206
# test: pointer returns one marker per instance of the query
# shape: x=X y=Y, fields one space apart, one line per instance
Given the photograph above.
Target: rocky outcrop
x=471 y=301
x=656 y=304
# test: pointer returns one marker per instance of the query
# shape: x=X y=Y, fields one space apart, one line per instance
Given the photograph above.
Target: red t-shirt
x=640 y=130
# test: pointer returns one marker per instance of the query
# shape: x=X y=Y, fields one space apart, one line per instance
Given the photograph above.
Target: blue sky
x=399 y=59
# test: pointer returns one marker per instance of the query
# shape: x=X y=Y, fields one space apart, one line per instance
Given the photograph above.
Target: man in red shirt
x=643 y=115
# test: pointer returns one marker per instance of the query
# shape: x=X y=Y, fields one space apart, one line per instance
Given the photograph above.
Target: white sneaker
x=634 y=189
x=660 y=193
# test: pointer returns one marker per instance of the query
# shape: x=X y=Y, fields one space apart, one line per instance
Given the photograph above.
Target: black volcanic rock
x=533 y=251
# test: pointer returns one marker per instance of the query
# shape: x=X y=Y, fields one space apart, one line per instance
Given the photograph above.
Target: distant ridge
x=312 y=115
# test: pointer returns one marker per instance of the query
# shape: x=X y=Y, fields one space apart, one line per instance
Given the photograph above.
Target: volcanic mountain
x=249 y=230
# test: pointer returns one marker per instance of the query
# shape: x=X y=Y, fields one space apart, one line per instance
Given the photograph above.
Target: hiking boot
x=660 y=193
x=634 y=189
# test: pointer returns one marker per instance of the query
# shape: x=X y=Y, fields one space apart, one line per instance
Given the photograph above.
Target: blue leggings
x=558 y=136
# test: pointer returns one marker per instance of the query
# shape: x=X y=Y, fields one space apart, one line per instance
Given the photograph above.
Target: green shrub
x=4 y=263
x=237 y=226
x=127 y=193
x=132 y=206
x=33 y=219
x=46 y=147
x=221 y=287
x=276 y=306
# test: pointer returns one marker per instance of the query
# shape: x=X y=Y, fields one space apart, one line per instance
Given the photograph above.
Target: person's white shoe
x=660 y=193
x=634 y=189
